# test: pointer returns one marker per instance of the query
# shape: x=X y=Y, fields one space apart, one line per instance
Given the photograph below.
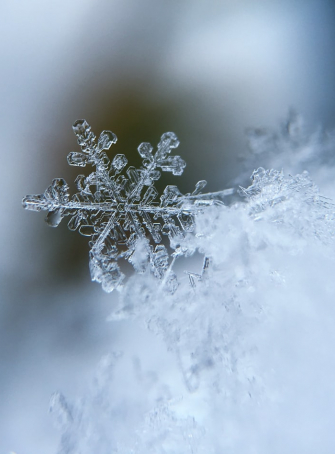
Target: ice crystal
x=297 y=199
x=225 y=335
x=248 y=338
x=116 y=206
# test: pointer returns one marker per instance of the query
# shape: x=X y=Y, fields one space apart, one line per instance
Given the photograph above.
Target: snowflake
x=117 y=207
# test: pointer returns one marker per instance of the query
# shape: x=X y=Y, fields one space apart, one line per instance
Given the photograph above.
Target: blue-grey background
x=203 y=69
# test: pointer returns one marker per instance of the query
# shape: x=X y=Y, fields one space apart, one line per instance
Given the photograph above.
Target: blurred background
x=206 y=70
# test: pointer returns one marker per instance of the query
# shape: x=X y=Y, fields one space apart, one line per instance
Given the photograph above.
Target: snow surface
x=240 y=362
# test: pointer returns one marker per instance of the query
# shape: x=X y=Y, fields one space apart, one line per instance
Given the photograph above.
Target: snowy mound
x=251 y=338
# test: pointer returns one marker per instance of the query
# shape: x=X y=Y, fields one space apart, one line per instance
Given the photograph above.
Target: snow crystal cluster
x=249 y=336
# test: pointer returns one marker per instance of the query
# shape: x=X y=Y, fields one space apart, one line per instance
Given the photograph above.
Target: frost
x=118 y=208
x=251 y=337
x=299 y=204
x=60 y=410
x=221 y=332
x=291 y=147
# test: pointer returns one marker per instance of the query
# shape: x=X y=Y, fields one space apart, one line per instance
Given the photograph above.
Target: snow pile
x=250 y=340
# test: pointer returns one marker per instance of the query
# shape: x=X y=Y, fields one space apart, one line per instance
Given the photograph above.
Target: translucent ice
x=120 y=212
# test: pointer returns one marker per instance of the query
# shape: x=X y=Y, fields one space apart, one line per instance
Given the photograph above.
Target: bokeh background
x=206 y=70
